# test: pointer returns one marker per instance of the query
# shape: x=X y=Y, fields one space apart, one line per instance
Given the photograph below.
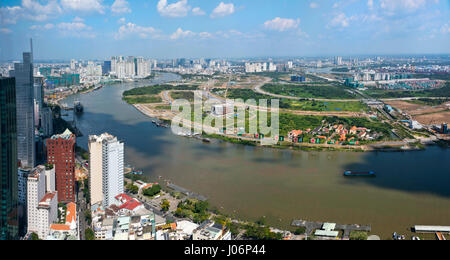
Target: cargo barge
x=359 y=174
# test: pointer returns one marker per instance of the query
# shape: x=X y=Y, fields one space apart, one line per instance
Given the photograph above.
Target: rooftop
x=67 y=135
x=60 y=227
x=71 y=214
x=45 y=201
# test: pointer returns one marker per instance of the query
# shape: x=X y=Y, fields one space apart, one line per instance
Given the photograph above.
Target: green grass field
x=385 y=94
x=354 y=106
x=300 y=105
x=154 y=90
x=318 y=90
x=144 y=99
x=189 y=96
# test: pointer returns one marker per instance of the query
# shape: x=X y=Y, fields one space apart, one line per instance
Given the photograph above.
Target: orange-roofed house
x=294 y=134
x=69 y=230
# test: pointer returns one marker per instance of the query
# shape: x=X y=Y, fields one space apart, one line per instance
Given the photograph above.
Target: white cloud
x=445 y=29
x=78 y=19
x=234 y=34
x=282 y=24
x=10 y=15
x=48 y=26
x=84 y=5
x=370 y=4
x=121 y=20
x=120 y=7
x=180 y=34
x=391 y=7
x=73 y=26
x=133 y=29
x=30 y=10
x=75 y=29
x=313 y=5
x=198 y=11
x=178 y=9
x=341 y=20
x=223 y=10
x=5 y=31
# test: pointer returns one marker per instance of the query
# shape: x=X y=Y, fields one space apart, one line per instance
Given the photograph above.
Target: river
x=249 y=182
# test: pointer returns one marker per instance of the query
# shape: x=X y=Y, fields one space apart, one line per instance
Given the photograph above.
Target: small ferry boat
x=136 y=172
x=359 y=174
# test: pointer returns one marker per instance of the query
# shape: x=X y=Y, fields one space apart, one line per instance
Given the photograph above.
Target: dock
x=347 y=229
x=186 y=192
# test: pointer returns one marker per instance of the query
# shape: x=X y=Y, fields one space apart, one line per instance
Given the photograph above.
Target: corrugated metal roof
x=325 y=233
x=432 y=229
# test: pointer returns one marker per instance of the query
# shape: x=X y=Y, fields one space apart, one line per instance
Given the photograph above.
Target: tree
x=34 y=236
x=358 y=235
x=88 y=216
x=133 y=189
x=201 y=207
x=165 y=205
x=150 y=192
x=300 y=231
x=261 y=221
x=89 y=234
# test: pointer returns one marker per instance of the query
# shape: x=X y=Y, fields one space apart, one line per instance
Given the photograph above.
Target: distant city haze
x=222 y=29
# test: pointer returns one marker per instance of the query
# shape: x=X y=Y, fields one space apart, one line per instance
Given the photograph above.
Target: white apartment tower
x=35 y=192
x=106 y=168
x=143 y=68
x=42 y=200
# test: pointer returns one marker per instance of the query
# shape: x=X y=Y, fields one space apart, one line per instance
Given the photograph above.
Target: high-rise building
x=23 y=72
x=106 y=68
x=105 y=168
x=9 y=222
x=22 y=177
x=61 y=154
x=42 y=200
x=47 y=121
x=143 y=68
x=35 y=192
x=38 y=98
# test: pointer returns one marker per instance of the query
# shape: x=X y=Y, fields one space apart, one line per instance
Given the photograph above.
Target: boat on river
x=359 y=174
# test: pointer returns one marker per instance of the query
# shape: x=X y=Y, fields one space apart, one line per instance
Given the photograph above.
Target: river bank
x=247 y=182
x=153 y=112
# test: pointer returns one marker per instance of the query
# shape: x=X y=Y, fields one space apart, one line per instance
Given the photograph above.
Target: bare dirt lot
x=426 y=115
x=405 y=106
x=433 y=119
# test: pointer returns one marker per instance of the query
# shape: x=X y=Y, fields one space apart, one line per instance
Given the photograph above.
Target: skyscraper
x=61 y=153
x=23 y=72
x=9 y=225
x=105 y=168
x=38 y=85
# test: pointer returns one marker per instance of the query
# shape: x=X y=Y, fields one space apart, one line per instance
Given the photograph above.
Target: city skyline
x=95 y=29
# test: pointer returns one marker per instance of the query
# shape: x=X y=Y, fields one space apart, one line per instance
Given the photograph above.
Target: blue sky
x=96 y=29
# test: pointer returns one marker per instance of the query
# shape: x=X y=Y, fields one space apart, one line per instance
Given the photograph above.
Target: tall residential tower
x=105 y=168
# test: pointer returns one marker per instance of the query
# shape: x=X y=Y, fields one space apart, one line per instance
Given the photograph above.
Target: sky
x=166 y=29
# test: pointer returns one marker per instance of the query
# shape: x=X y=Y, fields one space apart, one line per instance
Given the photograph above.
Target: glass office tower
x=9 y=224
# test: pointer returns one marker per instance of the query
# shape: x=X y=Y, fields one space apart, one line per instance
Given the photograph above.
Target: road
x=82 y=225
